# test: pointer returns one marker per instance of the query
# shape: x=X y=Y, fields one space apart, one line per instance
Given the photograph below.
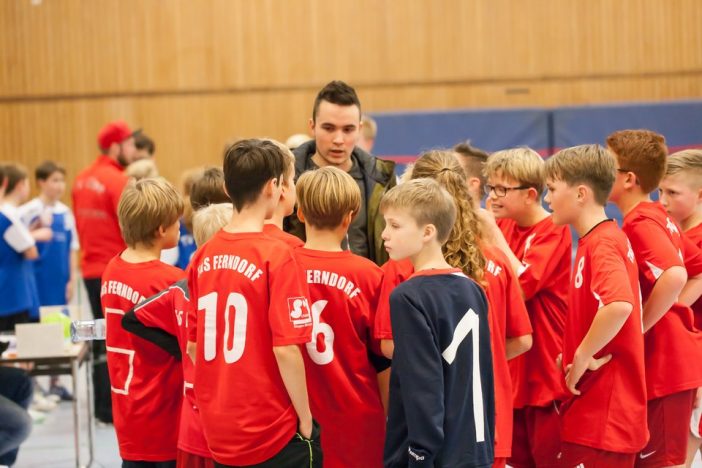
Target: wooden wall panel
x=196 y=73
x=74 y=47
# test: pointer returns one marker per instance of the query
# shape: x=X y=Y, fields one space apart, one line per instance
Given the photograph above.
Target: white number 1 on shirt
x=470 y=323
x=208 y=303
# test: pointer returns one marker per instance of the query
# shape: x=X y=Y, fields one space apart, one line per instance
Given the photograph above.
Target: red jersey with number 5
x=146 y=381
x=249 y=298
x=610 y=413
x=342 y=382
x=673 y=342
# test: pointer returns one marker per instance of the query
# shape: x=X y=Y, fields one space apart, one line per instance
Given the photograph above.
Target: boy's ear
x=630 y=180
x=300 y=215
x=347 y=219
x=533 y=195
x=429 y=232
x=583 y=192
x=311 y=126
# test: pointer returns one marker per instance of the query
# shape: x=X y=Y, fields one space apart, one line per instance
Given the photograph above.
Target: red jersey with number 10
x=610 y=413
x=342 y=382
x=249 y=298
x=147 y=382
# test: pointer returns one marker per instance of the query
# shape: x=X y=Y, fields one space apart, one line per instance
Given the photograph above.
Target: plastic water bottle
x=87 y=330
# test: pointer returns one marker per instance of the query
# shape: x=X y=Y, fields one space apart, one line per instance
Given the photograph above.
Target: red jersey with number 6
x=146 y=381
x=610 y=413
x=249 y=298
x=342 y=382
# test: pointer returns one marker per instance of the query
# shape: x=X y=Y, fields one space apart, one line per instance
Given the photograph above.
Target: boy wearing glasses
x=540 y=253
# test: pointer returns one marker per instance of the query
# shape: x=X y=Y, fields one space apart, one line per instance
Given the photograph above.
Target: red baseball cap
x=114 y=132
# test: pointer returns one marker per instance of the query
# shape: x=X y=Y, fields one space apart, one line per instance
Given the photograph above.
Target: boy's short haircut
x=290 y=170
x=688 y=162
x=47 y=169
x=14 y=173
x=248 y=166
x=524 y=165
x=472 y=161
x=208 y=189
x=144 y=207
x=143 y=142
x=189 y=177
x=210 y=219
x=325 y=196
x=336 y=92
x=427 y=202
x=369 y=128
x=591 y=165
x=642 y=152
x=142 y=169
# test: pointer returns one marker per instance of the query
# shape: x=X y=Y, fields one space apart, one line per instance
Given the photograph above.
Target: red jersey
x=96 y=193
x=394 y=273
x=695 y=236
x=341 y=381
x=508 y=319
x=168 y=310
x=146 y=381
x=673 y=342
x=247 y=302
x=610 y=413
x=275 y=232
x=545 y=252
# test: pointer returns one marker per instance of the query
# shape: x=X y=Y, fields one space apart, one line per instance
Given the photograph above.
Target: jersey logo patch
x=299 y=312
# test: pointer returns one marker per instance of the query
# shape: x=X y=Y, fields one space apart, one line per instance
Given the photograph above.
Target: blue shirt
x=52 y=270
x=442 y=405
x=186 y=247
x=17 y=288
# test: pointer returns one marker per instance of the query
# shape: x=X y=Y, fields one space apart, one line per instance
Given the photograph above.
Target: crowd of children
x=502 y=346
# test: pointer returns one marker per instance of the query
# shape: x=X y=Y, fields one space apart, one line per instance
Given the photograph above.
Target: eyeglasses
x=501 y=191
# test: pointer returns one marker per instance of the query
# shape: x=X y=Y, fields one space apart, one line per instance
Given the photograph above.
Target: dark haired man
x=336 y=126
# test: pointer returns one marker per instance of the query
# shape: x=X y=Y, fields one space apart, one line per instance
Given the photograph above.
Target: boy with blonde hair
x=665 y=259
x=604 y=318
x=252 y=317
x=163 y=320
x=441 y=389
x=145 y=380
x=539 y=252
x=344 y=291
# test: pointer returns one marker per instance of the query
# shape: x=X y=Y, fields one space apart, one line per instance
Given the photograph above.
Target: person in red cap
x=96 y=193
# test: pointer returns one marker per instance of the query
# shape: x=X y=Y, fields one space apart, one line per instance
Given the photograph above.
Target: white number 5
x=320 y=328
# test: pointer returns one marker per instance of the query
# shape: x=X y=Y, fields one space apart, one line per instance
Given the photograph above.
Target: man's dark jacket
x=378 y=176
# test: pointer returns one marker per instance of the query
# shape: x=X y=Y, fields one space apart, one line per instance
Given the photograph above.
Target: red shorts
x=190 y=460
x=536 y=437
x=580 y=455
x=668 y=424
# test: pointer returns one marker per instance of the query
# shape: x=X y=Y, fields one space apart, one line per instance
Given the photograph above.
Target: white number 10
x=208 y=303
